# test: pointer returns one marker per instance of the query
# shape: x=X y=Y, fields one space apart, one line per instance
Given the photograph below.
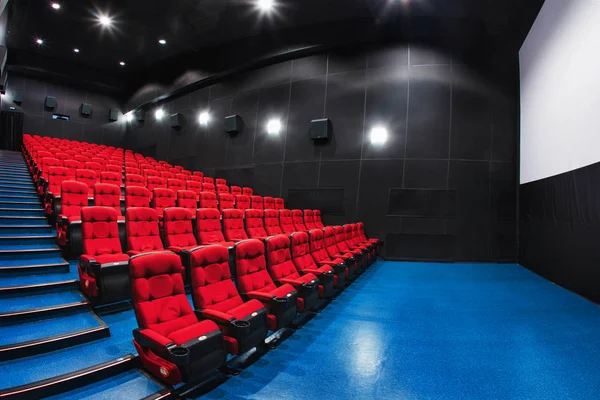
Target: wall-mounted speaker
x=50 y=103
x=140 y=116
x=176 y=121
x=234 y=124
x=113 y=115
x=86 y=110
x=17 y=97
x=320 y=129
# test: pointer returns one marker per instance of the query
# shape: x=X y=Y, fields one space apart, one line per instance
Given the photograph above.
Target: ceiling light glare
x=39 y=41
x=105 y=20
x=129 y=116
x=122 y=63
x=273 y=127
x=56 y=6
x=265 y=5
x=379 y=135
x=76 y=50
x=204 y=118
x=162 y=41
x=158 y=114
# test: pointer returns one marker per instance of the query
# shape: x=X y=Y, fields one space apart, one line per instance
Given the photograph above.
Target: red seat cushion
x=245 y=309
x=192 y=332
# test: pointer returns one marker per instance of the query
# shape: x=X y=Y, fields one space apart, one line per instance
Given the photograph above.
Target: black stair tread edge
x=19 y=202
x=49 y=268
x=72 y=380
x=30 y=312
x=39 y=286
x=20 y=217
x=24 y=226
x=21 y=209
x=46 y=250
x=40 y=236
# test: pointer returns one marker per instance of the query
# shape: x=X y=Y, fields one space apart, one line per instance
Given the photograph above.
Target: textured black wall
x=95 y=129
x=442 y=187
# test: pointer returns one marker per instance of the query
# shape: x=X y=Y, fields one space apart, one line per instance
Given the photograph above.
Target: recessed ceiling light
x=122 y=63
x=158 y=114
x=105 y=20
x=162 y=41
x=39 y=41
x=129 y=116
x=76 y=50
x=379 y=135
x=56 y=6
x=204 y=118
x=273 y=127
x=265 y=5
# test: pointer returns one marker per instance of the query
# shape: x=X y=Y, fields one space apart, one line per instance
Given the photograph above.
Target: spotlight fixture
x=204 y=118
x=129 y=116
x=273 y=127
x=105 y=20
x=122 y=63
x=158 y=114
x=76 y=50
x=162 y=41
x=265 y=5
x=56 y=6
x=39 y=41
x=379 y=135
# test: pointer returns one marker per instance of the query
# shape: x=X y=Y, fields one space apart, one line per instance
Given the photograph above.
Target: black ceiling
x=195 y=27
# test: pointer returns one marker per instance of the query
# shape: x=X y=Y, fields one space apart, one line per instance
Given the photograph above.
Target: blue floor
x=23 y=280
x=436 y=331
x=39 y=300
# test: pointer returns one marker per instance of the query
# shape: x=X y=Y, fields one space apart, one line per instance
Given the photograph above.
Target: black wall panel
x=452 y=141
x=37 y=120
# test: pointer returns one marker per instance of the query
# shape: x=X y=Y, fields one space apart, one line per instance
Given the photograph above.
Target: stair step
x=22 y=212
x=16 y=221
x=29 y=205
x=28 y=196
x=42 y=336
x=24 y=229
x=12 y=241
x=46 y=287
x=33 y=269
x=14 y=185
x=15 y=257
x=39 y=306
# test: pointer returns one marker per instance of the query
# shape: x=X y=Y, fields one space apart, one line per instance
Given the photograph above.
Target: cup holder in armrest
x=179 y=355
x=241 y=327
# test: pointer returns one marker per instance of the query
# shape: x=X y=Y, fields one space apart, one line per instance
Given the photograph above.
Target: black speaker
x=140 y=116
x=176 y=121
x=320 y=129
x=86 y=109
x=17 y=97
x=50 y=103
x=234 y=124
x=113 y=115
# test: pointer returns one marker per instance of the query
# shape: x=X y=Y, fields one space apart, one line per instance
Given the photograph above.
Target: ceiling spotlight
x=122 y=63
x=204 y=118
x=39 y=41
x=158 y=114
x=76 y=50
x=273 y=127
x=379 y=135
x=105 y=20
x=162 y=41
x=56 y=6
x=129 y=116
x=265 y=5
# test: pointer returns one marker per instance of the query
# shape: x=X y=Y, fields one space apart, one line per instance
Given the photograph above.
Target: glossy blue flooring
x=40 y=300
x=436 y=331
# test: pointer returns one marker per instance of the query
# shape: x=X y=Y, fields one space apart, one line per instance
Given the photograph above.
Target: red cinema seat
x=112 y=178
x=176 y=184
x=334 y=252
x=283 y=271
x=208 y=187
x=182 y=177
x=279 y=203
x=255 y=227
x=309 y=220
x=353 y=242
x=179 y=232
x=198 y=179
x=208 y=179
x=94 y=166
x=198 y=174
x=220 y=181
x=154 y=182
x=361 y=234
x=131 y=170
x=233 y=225
x=73 y=166
x=88 y=177
x=151 y=172
x=163 y=198
x=167 y=175
x=195 y=187
x=143 y=234
x=208 y=200
x=107 y=195
x=103 y=267
x=317 y=217
x=225 y=201
x=172 y=343
x=117 y=169
x=344 y=247
x=67 y=207
x=286 y=222
x=242 y=202
x=42 y=174
x=319 y=253
x=272 y=223
x=135 y=180
x=247 y=191
x=244 y=324
x=254 y=282
x=269 y=203
x=256 y=202
x=187 y=199
x=222 y=189
x=298 y=221
x=329 y=275
x=137 y=196
x=208 y=226
x=56 y=176
x=235 y=190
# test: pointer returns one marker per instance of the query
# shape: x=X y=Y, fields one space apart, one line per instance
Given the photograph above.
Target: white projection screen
x=560 y=90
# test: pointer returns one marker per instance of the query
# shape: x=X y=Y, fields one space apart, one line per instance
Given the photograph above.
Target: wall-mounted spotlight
x=274 y=127
x=56 y=6
x=39 y=41
x=379 y=135
x=203 y=118
x=105 y=20
x=265 y=5
x=76 y=50
x=122 y=63
x=158 y=114
x=129 y=116
x=162 y=41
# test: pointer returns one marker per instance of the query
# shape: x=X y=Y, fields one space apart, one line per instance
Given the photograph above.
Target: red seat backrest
x=247 y=191
x=208 y=179
x=94 y=166
x=107 y=195
x=309 y=220
x=100 y=231
x=88 y=177
x=137 y=196
x=225 y=201
x=73 y=166
x=279 y=258
x=179 y=231
x=182 y=177
x=233 y=225
x=301 y=256
x=135 y=180
x=208 y=200
x=317 y=217
x=242 y=202
x=56 y=176
x=298 y=220
x=208 y=187
x=194 y=186
x=220 y=181
x=317 y=246
x=222 y=189
x=176 y=184
x=272 y=223
x=163 y=198
x=132 y=170
x=110 y=177
x=269 y=203
x=235 y=190
x=155 y=182
x=208 y=224
x=198 y=179
x=329 y=241
x=113 y=168
x=198 y=174
x=142 y=229
x=74 y=198
x=286 y=222
x=256 y=202
x=279 y=203
x=187 y=199
x=255 y=227
x=251 y=267
x=340 y=239
x=166 y=175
